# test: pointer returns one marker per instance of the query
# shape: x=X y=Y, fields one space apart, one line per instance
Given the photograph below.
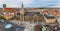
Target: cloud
x=0 y=1
x=43 y=3
x=28 y=1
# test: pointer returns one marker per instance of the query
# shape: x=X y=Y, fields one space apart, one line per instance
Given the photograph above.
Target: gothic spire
x=22 y=5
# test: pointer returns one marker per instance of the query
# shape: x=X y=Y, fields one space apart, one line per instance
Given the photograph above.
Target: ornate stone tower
x=22 y=12
x=4 y=6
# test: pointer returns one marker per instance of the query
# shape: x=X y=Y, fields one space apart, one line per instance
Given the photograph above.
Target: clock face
x=7 y=26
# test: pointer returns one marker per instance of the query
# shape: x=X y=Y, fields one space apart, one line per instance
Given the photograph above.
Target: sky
x=30 y=3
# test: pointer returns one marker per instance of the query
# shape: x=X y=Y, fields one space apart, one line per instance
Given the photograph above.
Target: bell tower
x=22 y=12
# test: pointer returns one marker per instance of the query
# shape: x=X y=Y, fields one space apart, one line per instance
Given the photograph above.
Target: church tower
x=22 y=12
x=22 y=9
x=22 y=5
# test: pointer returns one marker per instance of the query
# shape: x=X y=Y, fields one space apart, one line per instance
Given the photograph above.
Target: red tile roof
x=8 y=8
